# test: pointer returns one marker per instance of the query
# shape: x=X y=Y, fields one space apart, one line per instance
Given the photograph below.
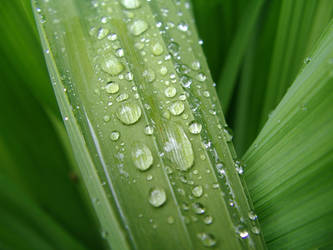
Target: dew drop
x=182 y=26
x=142 y=156
x=170 y=92
x=208 y=240
x=149 y=130
x=149 y=177
x=198 y=208
x=157 y=197
x=149 y=75
x=227 y=134
x=106 y=118
x=102 y=33
x=195 y=65
x=137 y=27
x=244 y=234
x=157 y=49
x=255 y=230
x=114 y=135
x=201 y=77
x=197 y=191
x=208 y=220
x=122 y=97
x=173 y=49
x=130 y=4
x=177 y=147
x=307 y=60
x=112 y=66
x=195 y=128
x=252 y=215
x=163 y=70
x=112 y=88
x=129 y=113
x=177 y=108
x=120 y=52
x=171 y=220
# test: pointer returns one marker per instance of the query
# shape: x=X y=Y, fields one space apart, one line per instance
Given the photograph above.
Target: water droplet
x=208 y=220
x=171 y=220
x=149 y=177
x=170 y=92
x=114 y=135
x=252 y=215
x=122 y=97
x=177 y=108
x=177 y=146
x=129 y=113
x=198 y=208
x=157 y=197
x=112 y=88
x=120 y=52
x=195 y=65
x=197 y=191
x=195 y=128
x=112 y=66
x=157 y=49
x=138 y=27
x=131 y=4
x=149 y=130
x=173 y=49
x=201 y=77
x=244 y=234
x=227 y=134
x=207 y=239
x=142 y=156
x=149 y=75
x=163 y=70
x=102 y=33
x=106 y=118
x=182 y=26
x=206 y=94
x=255 y=230
x=307 y=60
x=186 y=81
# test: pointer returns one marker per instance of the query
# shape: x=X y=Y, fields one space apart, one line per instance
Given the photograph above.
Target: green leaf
x=274 y=56
x=289 y=165
x=231 y=67
x=148 y=134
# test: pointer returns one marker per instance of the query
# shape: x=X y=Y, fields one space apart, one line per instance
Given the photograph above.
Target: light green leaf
x=112 y=66
x=289 y=166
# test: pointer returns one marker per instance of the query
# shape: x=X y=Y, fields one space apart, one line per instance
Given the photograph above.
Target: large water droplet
x=177 y=147
x=157 y=197
x=112 y=66
x=177 y=108
x=129 y=113
x=112 y=88
x=195 y=128
x=207 y=239
x=142 y=156
x=197 y=191
x=131 y=4
x=138 y=27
